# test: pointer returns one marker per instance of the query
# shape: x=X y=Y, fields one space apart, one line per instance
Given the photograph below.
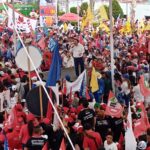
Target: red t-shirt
x=24 y=134
x=13 y=140
x=89 y=142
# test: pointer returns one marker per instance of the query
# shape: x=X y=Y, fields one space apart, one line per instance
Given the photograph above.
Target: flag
x=63 y=145
x=83 y=87
x=130 y=141
x=19 y=46
x=145 y=90
x=41 y=43
x=65 y=27
x=141 y=124
x=94 y=81
x=81 y=41
x=113 y=108
x=89 y=15
x=64 y=90
x=6 y=144
x=55 y=68
x=104 y=27
x=103 y=13
x=76 y=85
x=21 y=22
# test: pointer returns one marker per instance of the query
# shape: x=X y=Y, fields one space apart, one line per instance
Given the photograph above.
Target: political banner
x=22 y=23
x=113 y=108
x=47 y=12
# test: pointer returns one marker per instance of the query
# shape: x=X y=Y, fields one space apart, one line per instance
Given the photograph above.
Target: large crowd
x=88 y=126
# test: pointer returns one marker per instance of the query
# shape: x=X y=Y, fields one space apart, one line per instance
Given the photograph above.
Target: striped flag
x=83 y=87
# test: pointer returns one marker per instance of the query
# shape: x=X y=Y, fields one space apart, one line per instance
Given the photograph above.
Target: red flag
x=144 y=89
x=113 y=108
x=141 y=125
x=63 y=145
x=41 y=43
x=64 y=91
x=81 y=40
x=149 y=47
x=49 y=108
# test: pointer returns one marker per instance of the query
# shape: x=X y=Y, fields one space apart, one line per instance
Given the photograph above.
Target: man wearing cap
x=78 y=51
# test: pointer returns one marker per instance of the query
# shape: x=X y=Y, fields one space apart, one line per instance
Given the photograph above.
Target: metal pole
x=56 y=13
x=127 y=10
x=111 y=45
x=14 y=32
x=78 y=15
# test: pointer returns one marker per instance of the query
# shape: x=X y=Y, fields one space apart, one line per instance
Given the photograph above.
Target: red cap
x=30 y=117
x=19 y=107
x=66 y=109
x=73 y=110
x=68 y=119
x=46 y=121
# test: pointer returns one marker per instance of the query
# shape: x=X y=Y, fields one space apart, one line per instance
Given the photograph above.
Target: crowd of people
x=88 y=126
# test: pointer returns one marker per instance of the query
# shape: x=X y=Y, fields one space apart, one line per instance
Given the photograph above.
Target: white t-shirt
x=111 y=146
x=137 y=94
x=78 y=51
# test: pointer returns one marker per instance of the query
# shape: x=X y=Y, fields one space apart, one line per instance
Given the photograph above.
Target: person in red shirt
x=26 y=130
x=92 y=140
x=13 y=139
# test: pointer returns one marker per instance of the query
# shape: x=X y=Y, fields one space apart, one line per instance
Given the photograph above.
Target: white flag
x=130 y=141
x=22 y=23
x=76 y=85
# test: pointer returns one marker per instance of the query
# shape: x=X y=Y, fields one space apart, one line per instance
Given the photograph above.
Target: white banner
x=76 y=85
x=22 y=22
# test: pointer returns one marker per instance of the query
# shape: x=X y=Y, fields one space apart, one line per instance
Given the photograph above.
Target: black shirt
x=36 y=143
x=102 y=125
x=87 y=116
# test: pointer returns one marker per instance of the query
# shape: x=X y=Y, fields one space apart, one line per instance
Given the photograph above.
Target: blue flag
x=83 y=87
x=6 y=143
x=19 y=46
x=51 y=44
x=55 y=68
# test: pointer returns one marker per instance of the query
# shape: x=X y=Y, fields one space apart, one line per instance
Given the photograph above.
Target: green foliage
x=83 y=9
x=73 y=10
x=116 y=9
x=95 y=24
x=60 y=13
x=107 y=10
x=74 y=23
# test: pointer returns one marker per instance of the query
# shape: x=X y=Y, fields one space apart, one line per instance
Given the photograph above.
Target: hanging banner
x=47 y=12
x=22 y=22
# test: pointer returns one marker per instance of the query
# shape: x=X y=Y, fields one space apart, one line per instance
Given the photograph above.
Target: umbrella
x=70 y=17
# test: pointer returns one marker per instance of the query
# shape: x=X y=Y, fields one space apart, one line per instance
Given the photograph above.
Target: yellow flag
x=147 y=27
x=89 y=15
x=103 y=13
x=94 y=82
x=128 y=26
x=83 y=24
x=104 y=27
x=65 y=27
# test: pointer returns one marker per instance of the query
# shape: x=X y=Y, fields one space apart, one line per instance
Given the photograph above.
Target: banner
x=22 y=23
x=47 y=12
x=113 y=108
x=76 y=85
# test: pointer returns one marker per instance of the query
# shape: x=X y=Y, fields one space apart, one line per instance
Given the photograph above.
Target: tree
x=92 y=3
x=116 y=9
x=83 y=9
x=73 y=10
x=107 y=10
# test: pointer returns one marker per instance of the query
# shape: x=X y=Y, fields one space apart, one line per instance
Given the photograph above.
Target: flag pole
x=41 y=104
x=111 y=45
x=14 y=32
x=56 y=13
x=78 y=15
